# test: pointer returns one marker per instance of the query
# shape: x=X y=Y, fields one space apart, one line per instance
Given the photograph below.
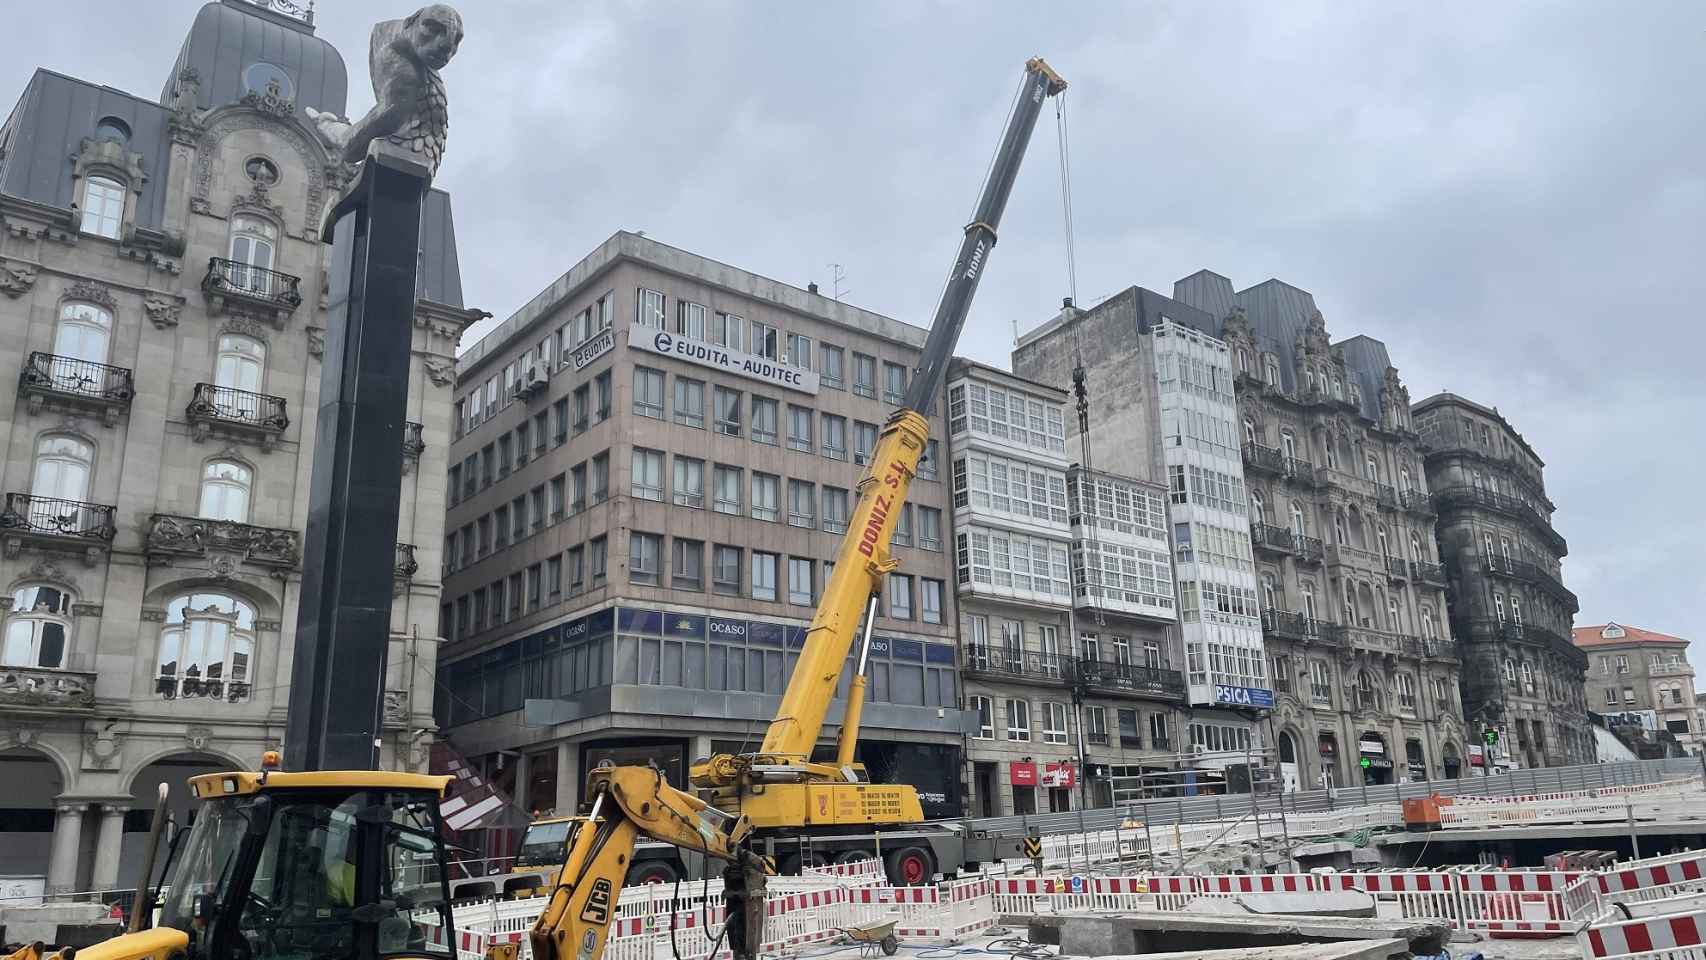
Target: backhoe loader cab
x=306 y=866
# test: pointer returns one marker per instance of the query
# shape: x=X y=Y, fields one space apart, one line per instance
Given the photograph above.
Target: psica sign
x=1243 y=696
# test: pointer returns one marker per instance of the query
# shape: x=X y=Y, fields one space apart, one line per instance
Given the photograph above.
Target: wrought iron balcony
x=1300 y=470
x=1259 y=457
x=1397 y=569
x=56 y=524
x=1531 y=573
x=171 y=536
x=232 y=286
x=1266 y=536
x=1000 y=663
x=41 y=688
x=197 y=687
x=405 y=567
x=414 y=444
x=1460 y=497
x=1386 y=495
x=1292 y=626
x=1416 y=501
x=227 y=409
x=1131 y=678
x=1427 y=572
x=79 y=384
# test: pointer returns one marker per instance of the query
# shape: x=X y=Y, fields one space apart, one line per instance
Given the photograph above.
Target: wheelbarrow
x=872 y=936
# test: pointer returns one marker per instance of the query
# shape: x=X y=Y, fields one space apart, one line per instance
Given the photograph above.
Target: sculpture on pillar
x=410 y=110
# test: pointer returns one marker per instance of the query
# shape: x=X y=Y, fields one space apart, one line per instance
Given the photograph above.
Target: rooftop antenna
x=836 y=275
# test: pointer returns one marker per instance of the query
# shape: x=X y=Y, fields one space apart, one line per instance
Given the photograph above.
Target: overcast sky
x=1511 y=196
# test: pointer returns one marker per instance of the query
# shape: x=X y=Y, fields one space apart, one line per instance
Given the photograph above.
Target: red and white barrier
x=1674 y=937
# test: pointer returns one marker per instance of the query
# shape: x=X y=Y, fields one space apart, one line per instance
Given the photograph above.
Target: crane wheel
x=653 y=871
x=853 y=856
x=910 y=866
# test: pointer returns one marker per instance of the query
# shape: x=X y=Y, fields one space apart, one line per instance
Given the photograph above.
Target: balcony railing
x=40 y=687
x=170 y=535
x=1002 y=663
x=52 y=519
x=1131 y=678
x=1397 y=569
x=197 y=687
x=235 y=286
x=405 y=567
x=1385 y=494
x=1416 y=501
x=1292 y=626
x=1427 y=572
x=1266 y=536
x=1460 y=496
x=49 y=376
x=1533 y=573
x=1297 y=469
x=1259 y=457
x=256 y=414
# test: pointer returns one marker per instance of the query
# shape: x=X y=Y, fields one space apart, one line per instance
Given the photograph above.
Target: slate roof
x=229 y=36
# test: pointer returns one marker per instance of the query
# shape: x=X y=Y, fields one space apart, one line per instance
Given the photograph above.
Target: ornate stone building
x=1352 y=594
x=1510 y=610
x=162 y=317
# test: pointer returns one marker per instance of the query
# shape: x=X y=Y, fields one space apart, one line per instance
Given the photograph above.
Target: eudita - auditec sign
x=748 y=365
x=600 y=344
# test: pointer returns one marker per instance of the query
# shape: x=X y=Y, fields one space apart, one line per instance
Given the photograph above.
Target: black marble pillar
x=344 y=617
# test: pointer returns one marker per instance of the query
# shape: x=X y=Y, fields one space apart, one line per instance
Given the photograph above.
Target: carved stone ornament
x=197 y=738
x=33 y=687
x=268 y=625
x=396 y=707
x=163 y=311
x=230 y=120
x=16 y=278
x=92 y=292
x=152 y=615
x=87 y=609
x=441 y=372
x=271 y=101
x=245 y=328
x=19 y=735
x=410 y=113
x=225 y=543
x=316 y=341
x=101 y=749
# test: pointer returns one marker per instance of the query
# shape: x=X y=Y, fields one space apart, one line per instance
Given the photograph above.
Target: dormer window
x=262 y=171
x=103 y=207
x=114 y=129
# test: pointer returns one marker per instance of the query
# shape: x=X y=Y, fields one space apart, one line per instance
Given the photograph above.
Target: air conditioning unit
x=533 y=381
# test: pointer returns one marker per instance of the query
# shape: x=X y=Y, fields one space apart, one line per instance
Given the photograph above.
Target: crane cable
x=1080 y=377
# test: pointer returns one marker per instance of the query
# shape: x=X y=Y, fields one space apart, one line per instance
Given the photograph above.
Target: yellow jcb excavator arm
x=629 y=803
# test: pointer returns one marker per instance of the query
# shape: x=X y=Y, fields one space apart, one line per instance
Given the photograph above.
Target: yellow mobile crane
x=332 y=865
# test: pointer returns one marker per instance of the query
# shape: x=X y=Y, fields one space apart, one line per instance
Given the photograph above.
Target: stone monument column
x=109 y=843
x=67 y=838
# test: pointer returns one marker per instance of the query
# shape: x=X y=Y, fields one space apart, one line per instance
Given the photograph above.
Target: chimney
x=811 y=288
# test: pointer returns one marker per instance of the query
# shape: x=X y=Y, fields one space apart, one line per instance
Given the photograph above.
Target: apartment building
x=1034 y=541
x=654 y=466
x=1510 y=611
x=1644 y=673
x=1162 y=411
x=163 y=323
x=1351 y=593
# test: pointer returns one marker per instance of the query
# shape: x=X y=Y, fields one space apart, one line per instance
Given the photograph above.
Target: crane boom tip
x=1056 y=83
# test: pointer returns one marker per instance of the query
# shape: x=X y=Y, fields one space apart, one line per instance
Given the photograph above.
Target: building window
x=727 y=331
x=726 y=492
x=928 y=462
x=82 y=337
x=598 y=559
x=985 y=710
x=1054 y=722
x=690 y=319
x=38 y=631
x=764 y=420
x=207 y=648
x=1018 y=721
x=930 y=600
x=103 y=207
x=894 y=383
x=687 y=570
x=764 y=575
x=643 y=557
x=1407 y=693
x=835 y=506
x=929 y=528
x=864 y=441
x=1622 y=663
x=601 y=478
x=833 y=373
x=647 y=479
x=766 y=340
x=648 y=308
x=865 y=375
x=726 y=404
x=900 y=596
x=800 y=571
x=648 y=393
x=601 y=397
x=689 y=402
x=62 y=470
x=834 y=437
x=725 y=570
x=225 y=488
x=902 y=536
x=766 y=490
x=800 y=428
x=689 y=482
x=254 y=244
x=799 y=351
x=802 y=504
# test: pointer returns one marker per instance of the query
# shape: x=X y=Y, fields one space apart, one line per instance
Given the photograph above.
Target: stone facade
x=1643 y=678
x=1510 y=611
x=166 y=340
x=639 y=535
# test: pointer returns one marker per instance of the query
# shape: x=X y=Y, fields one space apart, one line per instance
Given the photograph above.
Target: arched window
x=1380 y=535
x=1341 y=532
x=240 y=364
x=1370 y=469
x=1416 y=548
x=1516 y=609
x=1288 y=444
x=1487 y=546
x=1307 y=591
x=1368 y=692
x=114 y=129
x=1394 y=615
x=63 y=467
x=1243 y=360
x=1249 y=431
x=1350 y=605
x=1527 y=676
x=1499 y=607
x=1258 y=506
x=1338 y=389
x=1270 y=598
x=38 y=631
x=1309 y=378
x=1272 y=366
x=103 y=207
x=83 y=332
x=1406 y=693
x=1331 y=458
x=1404 y=479
x=1510 y=670
x=1427 y=615
x=253 y=243
x=1297 y=525
x=225 y=486
x=207 y=648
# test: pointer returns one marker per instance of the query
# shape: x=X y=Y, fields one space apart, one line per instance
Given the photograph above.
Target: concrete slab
x=1562 y=831
x=1342 y=950
x=1086 y=933
x=1331 y=903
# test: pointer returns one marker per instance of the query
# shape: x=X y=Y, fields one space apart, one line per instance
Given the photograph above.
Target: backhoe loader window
x=304 y=887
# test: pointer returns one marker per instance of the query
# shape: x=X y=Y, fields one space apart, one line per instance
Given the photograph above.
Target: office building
x=655 y=463
x=162 y=315
x=1642 y=678
x=1510 y=611
x=1040 y=547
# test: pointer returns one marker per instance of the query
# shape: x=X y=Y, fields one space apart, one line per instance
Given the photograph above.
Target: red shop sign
x=1059 y=775
x=1022 y=774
